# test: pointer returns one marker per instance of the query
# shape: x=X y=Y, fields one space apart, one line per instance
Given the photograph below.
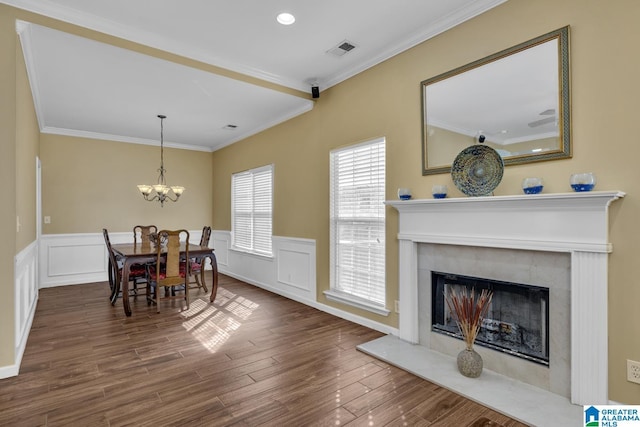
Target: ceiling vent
x=230 y=127
x=344 y=47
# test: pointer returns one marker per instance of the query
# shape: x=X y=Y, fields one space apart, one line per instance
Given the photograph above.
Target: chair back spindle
x=206 y=235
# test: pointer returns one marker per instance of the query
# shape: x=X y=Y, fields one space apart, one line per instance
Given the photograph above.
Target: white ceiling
x=86 y=88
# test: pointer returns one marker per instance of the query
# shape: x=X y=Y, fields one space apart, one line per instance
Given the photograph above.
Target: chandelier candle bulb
x=145 y=189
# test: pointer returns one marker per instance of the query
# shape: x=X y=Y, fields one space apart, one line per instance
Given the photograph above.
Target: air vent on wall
x=342 y=48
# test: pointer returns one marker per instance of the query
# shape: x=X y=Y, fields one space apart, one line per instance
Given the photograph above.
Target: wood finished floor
x=250 y=359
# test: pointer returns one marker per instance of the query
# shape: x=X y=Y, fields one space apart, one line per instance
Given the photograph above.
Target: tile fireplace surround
x=569 y=223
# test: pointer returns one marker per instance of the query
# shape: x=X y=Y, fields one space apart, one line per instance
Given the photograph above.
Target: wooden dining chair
x=137 y=272
x=169 y=271
x=198 y=262
x=144 y=232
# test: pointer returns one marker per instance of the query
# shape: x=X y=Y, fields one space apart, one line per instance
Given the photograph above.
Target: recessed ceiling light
x=286 y=18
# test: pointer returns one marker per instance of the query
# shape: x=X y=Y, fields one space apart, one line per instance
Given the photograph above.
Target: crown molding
x=430 y=31
x=119 y=138
x=52 y=130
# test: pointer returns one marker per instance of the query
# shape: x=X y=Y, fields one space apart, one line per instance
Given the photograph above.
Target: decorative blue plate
x=477 y=170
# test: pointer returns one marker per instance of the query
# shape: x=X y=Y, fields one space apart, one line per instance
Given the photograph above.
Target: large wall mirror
x=516 y=100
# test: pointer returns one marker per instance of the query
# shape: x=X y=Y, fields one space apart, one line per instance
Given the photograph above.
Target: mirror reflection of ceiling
x=510 y=100
x=265 y=70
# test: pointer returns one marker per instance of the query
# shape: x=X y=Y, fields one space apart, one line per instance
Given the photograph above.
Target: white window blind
x=358 y=222
x=252 y=201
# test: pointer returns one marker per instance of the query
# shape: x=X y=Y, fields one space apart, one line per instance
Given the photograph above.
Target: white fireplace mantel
x=576 y=223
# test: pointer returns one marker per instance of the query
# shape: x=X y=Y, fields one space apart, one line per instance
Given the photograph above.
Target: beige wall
x=90 y=184
x=385 y=101
x=8 y=177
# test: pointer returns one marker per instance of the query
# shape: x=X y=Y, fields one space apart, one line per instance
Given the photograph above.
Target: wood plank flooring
x=250 y=359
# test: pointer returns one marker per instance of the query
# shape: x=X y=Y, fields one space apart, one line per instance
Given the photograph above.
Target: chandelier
x=160 y=191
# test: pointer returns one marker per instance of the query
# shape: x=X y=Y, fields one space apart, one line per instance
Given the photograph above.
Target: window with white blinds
x=251 y=210
x=358 y=224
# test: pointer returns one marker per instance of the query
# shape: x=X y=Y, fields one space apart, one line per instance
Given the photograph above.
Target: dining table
x=139 y=253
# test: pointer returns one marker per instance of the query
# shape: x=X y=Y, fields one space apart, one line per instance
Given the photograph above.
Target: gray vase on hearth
x=469 y=363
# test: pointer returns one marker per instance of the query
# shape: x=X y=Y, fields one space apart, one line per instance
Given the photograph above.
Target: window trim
x=354 y=301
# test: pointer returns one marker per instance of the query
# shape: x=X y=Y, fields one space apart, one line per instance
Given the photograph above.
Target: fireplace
x=516 y=323
x=503 y=265
x=536 y=229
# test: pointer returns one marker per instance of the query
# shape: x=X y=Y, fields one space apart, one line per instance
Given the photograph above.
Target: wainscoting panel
x=291 y=272
x=76 y=259
x=221 y=241
x=71 y=259
x=296 y=262
x=26 y=298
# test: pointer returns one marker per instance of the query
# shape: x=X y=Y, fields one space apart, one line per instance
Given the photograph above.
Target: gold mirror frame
x=469 y=133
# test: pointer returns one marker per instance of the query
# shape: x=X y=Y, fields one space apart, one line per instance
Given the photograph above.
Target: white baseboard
x=9 y=371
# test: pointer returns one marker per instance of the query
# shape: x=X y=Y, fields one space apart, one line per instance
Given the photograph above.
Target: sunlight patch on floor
x=213 y=325
x=242 y=307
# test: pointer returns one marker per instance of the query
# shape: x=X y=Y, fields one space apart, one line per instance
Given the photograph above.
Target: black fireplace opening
x=517 y=322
